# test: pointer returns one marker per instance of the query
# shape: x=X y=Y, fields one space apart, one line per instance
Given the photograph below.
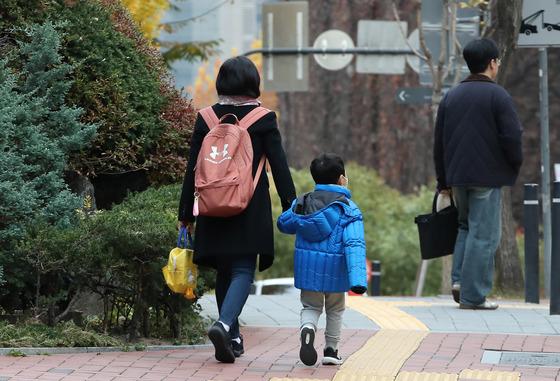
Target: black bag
x=438 y=231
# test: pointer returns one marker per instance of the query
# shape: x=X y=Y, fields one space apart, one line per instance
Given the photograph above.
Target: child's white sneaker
x=331 y=357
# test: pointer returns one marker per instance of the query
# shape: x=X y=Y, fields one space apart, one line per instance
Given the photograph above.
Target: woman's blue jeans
x=477 y=241
x=233 y=283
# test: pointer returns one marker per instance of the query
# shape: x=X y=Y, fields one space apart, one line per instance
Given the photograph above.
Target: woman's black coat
x=250 y=232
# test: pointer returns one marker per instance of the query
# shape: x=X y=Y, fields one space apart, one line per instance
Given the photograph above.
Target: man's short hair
x=479 y=53
x=327 y=168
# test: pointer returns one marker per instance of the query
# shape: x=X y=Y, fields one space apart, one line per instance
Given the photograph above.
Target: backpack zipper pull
x=195 y=205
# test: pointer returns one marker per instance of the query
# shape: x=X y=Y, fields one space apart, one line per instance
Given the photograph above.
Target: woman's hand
x=188 y=225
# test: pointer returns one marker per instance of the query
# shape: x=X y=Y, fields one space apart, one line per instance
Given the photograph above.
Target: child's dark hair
x=327 y=168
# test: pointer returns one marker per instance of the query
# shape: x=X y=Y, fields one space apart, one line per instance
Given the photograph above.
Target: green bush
x=121 y=83
x=118 y=255
x=114 y=85
x=391 y=235
x=38 y=133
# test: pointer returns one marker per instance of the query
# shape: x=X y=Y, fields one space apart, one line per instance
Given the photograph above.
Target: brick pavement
x=454 y=352
x=443 y=343
x=270 y=352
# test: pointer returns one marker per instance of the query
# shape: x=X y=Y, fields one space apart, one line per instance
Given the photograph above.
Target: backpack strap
x=259 y=172
x=209 y=116
x=251 y=118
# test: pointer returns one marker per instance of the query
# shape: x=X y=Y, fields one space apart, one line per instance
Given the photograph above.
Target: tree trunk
x=355 y=115
x=509 y=276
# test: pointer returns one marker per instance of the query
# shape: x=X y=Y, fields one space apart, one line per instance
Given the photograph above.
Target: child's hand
x=358 y=289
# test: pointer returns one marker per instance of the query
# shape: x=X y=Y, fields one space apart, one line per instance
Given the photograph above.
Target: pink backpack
x=223 y=181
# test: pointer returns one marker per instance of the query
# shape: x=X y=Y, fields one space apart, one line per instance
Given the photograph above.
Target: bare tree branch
x=398 y=19
x=423 y=46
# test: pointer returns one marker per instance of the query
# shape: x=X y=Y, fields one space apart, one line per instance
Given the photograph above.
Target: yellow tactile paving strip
x=385 y=314
x=382 y=356
x=417 y=376
x=487 y=375
x=400 y=335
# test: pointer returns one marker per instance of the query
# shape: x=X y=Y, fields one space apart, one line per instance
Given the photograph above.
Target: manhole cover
x=521 y=358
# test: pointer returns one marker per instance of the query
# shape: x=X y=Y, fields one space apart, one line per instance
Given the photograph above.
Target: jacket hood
x=318 y=212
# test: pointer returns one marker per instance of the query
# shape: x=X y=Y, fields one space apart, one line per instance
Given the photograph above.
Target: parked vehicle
x=277 y=286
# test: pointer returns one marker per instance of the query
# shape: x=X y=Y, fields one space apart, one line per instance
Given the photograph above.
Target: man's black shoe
x=222 y=343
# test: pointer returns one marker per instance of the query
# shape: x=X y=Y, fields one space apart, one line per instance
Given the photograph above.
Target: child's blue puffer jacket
x=330 y=253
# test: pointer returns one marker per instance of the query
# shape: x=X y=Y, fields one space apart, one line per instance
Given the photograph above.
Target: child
x=330 y=254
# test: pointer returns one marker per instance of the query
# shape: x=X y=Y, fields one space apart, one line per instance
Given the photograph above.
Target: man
x=477 y=150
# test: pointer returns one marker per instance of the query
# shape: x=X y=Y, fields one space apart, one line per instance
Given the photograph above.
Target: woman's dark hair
x=238 y=76
x=327 y=168
x=478 y=54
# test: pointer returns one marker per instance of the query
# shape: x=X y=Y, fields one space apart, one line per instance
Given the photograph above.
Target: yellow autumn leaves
x=148 y=14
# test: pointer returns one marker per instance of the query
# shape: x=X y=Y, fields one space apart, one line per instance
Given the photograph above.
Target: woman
x=231 y=245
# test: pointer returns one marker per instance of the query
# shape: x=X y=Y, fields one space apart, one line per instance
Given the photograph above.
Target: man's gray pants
x=334 y=304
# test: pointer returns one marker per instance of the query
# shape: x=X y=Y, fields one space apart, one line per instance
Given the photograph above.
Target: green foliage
x=119 y=80
x=62 y=335
x=117 y=254
x=188 y=51
x=17 y=13
x=37 y=133
x=391 y=235
x=114 y=85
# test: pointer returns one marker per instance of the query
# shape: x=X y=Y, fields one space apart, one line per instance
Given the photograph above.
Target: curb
x=72 y=350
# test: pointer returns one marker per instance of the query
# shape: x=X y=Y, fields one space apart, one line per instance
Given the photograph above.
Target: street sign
x=413 y=60
x=381 y=35
x=432 y=13
x=286 y=25
x=413 y=95
x=333 y=39
x=468 y=28
x=432 y=36
x=540 y=24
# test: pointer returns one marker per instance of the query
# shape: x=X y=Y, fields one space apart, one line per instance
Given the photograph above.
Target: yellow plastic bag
x=180 y=273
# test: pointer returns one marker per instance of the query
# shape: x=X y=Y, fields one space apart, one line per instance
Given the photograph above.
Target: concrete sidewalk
x=384 y=339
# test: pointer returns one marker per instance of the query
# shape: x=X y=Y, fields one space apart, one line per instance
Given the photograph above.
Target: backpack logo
x=215 y=154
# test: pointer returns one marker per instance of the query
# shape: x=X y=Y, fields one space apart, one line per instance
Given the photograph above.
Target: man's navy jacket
x=477 y=136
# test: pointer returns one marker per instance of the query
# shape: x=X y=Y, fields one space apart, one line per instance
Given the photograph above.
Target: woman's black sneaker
x=222 y=343
x=331 y=357
x=307 y=353
x=238 y=349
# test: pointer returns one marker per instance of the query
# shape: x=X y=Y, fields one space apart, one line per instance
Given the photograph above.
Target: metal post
x=376 y=278
x=555 y=260
x=531 y=228
x=421 y=277
x=545 y=165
